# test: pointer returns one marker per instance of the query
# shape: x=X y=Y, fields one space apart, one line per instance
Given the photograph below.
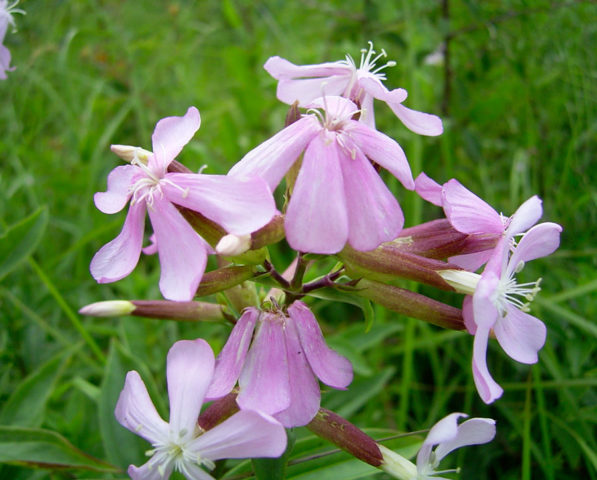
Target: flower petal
x=305 y=90
x=382 y=150
x=272 y=159
x=429 y=189
x=189 y=371
x=471 y=261
x=118 y=258
x=170 y=135
x=241 y=206
x=520 y=335
x=136 y=412
x=305 y=395
x=418 y=122
x=527 y=215
x=149 y=471
x=246 y=434
x=467 y=314
x=330 y=367
x=467 y=212
x=182 y=252
x=119 y=182
x=378 y=90
x=264 y=382
x=475 y=431
x=152 y=248
x=487 y=387
x=445 y=430
x=538 y=242
x=316 y=220
x=280 y=68
x=374 y=215
x=232 y=357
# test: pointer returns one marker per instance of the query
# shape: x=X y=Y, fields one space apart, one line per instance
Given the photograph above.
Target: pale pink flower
x=181 y=445
x=278 y=373
x=338 y=196
x=6 y=20
x=240 y=206
x=305 y=83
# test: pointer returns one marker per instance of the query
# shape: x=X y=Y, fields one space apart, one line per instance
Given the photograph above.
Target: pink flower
x=360 y=84
x=501 y=304
x=277 y=374
x=471 y=215
x=181 y=445
x=6 y=12
x=338 y=195
x=239 y=206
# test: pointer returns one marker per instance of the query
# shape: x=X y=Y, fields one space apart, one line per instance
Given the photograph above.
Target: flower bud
x=110 y=308
x=462 y=281
x=128 y=152
x=224 y=278
x=396 y=465
x=231 y=245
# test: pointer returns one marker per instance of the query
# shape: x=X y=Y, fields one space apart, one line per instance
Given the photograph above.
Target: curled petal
x=264 y=382
x=241 y=206
x=429 y=189
x=116 y=197
x=475 y=431
x=232 y=357
x=485 y=311
x=377 y=90
x=418 y=122
x=272 y=159
x=331 y=368
x=136 y=412
x=246 y=434
x=118 y=258
x=316 y=220
x=467 y=212
x=182 y=252
x=445 y=430
x=374 y=215
x=189 y=371
x=538 y=242
x=487 y=387
x=520 y=335
x=335 y=106
x=382 y=150
x=170 y=135
x=527 y=215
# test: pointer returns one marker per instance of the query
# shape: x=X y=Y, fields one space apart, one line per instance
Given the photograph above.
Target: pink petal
x=520 y=335
x=119 y=182
x=382 y=150
x=471 y=261
x=376 y=89
x=335 y=106
x=367 y=116
x=182 y=252
x=316 y=220
x=374 y=215
x=306 y=90
x=475 y=431
x=527 y=215
x=272 y=159
x=488 y=389
x=429 y=189
x=538 y=242
x=232 y=357
x=118 y=258
x=4 y=62
x=445 y=430
x=189 y=371
x=304 y=389
x=246 y=434
x=467 y=212
x=152 y=248
x=170 y=135
x=467 y=314
x=418 y=122
x=135 y=411
x=280 y=68
x=484 y=309
x=149 y=471
x=264 y=382
x=332 y=369
x=241 y=206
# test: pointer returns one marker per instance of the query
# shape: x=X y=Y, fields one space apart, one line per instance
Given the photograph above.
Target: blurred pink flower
x=240 y=206
x=181 y=445
x=338 y=196
x=360 y=84
x=6 y=12
x=278 y=373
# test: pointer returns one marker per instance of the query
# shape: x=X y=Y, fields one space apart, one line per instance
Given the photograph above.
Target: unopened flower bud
x=128 y=152
x=231 y=245
x=110 y=308
x=396 y=465
x=462 y=281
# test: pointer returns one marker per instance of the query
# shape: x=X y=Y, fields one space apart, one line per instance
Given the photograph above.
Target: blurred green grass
x=520 y=120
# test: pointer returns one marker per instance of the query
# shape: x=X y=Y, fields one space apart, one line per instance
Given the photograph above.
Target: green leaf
x=336 y=295
x=273 y=468
x=18 y=241
x=27 y=404
x=39 y=448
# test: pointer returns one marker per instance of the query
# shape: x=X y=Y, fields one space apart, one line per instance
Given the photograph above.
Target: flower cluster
x=266 y=376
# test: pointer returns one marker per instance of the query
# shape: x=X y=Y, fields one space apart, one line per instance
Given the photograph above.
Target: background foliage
x=517 y=93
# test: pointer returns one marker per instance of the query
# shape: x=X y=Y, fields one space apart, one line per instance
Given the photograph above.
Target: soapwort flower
x=338 y=196
x=360 y=84
x=240 y=206
x=278 y=373
x=6 y=20
x=181 y=445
